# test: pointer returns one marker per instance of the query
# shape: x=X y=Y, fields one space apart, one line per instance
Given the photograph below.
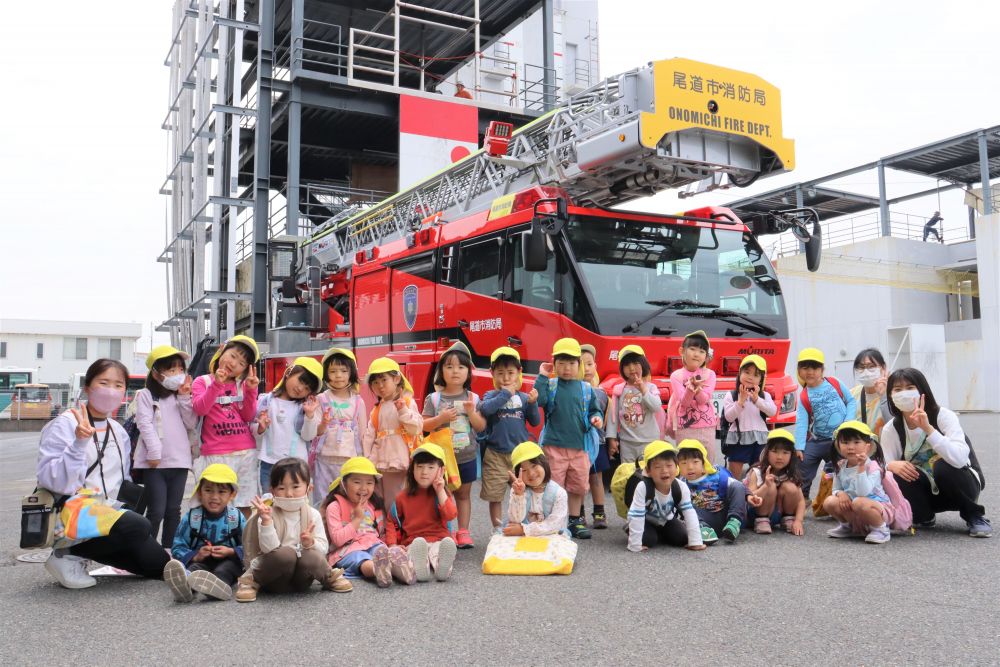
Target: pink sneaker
x=383 y=568
x=762 y=525
x=463 y=540
x=401 y=566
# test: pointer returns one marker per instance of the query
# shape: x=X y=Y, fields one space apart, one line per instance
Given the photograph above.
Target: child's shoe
x=401 y=566
x=980 y=527
x=176 y=577
x=207 y=583
x=418 y=555
x=446 y=559
x=708 y=536
x=842 y=530
x=246 y=590
x=336 y=581
x=600 y=520
x=578 y=529
x=69 y=571
x=463 y=540
x=732 y=529
x=383 y=568
x=762 y=525
x=787 y=521
x=878 y=535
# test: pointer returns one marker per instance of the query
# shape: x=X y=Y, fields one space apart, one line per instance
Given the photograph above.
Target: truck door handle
x=513 y=341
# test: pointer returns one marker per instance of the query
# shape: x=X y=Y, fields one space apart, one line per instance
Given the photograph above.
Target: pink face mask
x=105 y=399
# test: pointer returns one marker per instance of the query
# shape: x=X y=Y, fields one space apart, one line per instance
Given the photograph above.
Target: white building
x=59 y=349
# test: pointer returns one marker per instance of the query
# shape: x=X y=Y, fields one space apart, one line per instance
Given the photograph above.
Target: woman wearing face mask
x=165 y=417
x=83 y=459
x=869 y=394
x=925 y=449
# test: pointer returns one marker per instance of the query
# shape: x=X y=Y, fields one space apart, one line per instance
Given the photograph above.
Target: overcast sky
x=82 y=155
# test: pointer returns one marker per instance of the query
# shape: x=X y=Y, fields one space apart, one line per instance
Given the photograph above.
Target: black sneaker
x=930 y=523
x=578 y=529
x=600 y=521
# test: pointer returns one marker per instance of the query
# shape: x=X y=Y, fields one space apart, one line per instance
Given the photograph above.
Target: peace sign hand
x=263 y=421
x=920 y=416
x=306 y=536
x=516 y=484
x=438 y=482
x=263 y=510
x=84 y=431
x=185 y=389
x=252 y=380
x=769 y=478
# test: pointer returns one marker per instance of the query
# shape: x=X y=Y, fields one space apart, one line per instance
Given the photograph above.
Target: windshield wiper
x=729 y=315
x=664 y=306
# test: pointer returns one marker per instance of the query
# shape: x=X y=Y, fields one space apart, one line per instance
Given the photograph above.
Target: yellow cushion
x=549 y=554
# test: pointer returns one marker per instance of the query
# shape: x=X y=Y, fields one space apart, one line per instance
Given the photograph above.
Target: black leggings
x=227 y=569
x=958 y=489
x=128 y=546
x=672 y=533
x=164 y=493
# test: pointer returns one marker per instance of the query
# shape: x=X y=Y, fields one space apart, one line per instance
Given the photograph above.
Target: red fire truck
x=516 y=244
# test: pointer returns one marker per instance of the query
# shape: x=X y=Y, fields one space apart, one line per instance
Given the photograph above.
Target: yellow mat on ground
x=550 y=554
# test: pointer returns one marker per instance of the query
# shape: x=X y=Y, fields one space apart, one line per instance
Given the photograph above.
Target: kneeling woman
x=83 y=457
x=926 y=450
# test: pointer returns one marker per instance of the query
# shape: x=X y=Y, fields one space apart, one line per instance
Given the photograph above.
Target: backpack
x=804 y=395
x=725 y=424
x=902 y=519
x=412 y=440
x=660 y=416
x=624 y=482
x=592 y=439
x=196 y=516
x=132 y=431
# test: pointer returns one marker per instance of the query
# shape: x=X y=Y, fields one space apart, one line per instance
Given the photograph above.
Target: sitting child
x=208 y=544
x=355 y=523
x=858 y=500
x=654 y=516
x=284 y=544
x=538 y=506
x=719 y=500
x=419 y=518
x=775 y=478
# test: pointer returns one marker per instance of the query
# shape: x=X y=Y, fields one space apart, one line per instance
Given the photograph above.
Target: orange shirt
x=420 y=515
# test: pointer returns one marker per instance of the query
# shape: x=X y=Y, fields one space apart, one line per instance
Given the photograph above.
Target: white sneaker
x=446 y=559
x=176 y=578
x=69 y=571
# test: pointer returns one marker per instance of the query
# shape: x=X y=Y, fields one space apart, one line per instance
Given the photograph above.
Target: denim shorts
x=351 y=563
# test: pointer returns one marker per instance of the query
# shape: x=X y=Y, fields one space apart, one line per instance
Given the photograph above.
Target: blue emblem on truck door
x=410 y=306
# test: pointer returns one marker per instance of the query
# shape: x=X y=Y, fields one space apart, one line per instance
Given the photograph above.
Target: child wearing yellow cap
x=635 y=412
x=165 y=419
x=208 y=545
x=419 y=518
x=226 y=400
x=660 y=510
x=719 y=500
x=537 y=505
x=344 y=416
x=823 y=406
x=570 y=407
x=691 y=412
x=859 y=501
x=744 y=414
x=775 y=478
x=288 y=417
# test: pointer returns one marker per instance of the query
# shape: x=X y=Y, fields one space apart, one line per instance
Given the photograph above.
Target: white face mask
x=867 y=377
x=290 y=504
x=173 y=382
x=906 y=400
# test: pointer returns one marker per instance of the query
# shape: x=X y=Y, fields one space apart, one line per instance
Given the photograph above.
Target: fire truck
x=518 y=244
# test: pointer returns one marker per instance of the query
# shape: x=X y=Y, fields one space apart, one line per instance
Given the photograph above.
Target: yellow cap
x=432 y=449
x=246 y=340
x=309 y=365
x=700 y=333
x=757 y=362
x=596 y=380
x=525 y=452
x=387 y=365
x=341 y=351
x=781 y=434
x=691 y=443
x=504 y=352
x=568 y=346
x=630 y=349
x=357 y=465
x=812 y=354
x=219 y=473
x=162 y=352
x=860 y=427
x=654 y=449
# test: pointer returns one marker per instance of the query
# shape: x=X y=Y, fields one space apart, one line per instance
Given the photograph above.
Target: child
x=288 y=417
x=719 y=500
x=208 y=546
x=692 y=414
x=226 y=400
x=507 y=410
x=344 y=417
x=823 y=406
x=858 y=500
x=588 y=357
x=393 y=425
x=745 y=409
x=775 y=478
x=537 y=505
x=355 y=524
x=165 y=420
x=657 y=519
x=570 y=409
x=635 y=417
x=419 y=517
x=284 y=543
x=869 y=394
x=450 y=415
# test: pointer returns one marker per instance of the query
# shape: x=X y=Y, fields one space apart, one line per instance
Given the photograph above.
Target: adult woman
x=83 y=459
x=869 y=394
x=925 y=449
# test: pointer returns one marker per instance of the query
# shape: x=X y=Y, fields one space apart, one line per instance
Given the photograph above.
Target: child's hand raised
x=263 y=422
x=84 y=431
x=221 y=374
x=252 y=380
x=920 y=416
x=263 y=510
x=532 y=395
x=769 y=478
x=327 y=418
x=743 y=395
x=516 y=484
x=752 y=393
x=309 y=406
x=185 y=389
x=306 y=536
x=546 y=369
x=438 y=482
x=469 y=406
x=400 y=403
x=358 y=513
x=513 y=530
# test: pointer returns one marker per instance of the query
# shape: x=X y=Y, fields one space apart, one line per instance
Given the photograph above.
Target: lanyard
x=99 y=463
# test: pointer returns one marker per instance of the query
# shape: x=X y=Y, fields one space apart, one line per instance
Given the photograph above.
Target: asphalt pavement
x=927 y=599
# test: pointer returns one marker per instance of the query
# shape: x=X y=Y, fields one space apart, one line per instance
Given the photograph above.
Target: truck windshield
x=631 y=269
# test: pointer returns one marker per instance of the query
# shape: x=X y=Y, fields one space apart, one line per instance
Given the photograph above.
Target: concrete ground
x=927 y=599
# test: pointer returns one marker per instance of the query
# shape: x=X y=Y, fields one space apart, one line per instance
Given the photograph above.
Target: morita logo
x=756 y=350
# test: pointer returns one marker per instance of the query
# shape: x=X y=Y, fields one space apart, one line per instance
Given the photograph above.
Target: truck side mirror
x=814 y=248
x=533 y=248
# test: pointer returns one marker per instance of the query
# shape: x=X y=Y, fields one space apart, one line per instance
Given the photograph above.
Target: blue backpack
x=592 y=439
x=196 y=516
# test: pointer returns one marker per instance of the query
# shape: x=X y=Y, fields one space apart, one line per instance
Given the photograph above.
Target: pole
x=883 y=203
x=984 y=174
x=262 y=172
x=548 y=56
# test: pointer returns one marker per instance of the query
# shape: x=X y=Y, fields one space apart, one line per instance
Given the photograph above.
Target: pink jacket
x=344 y=539
x=226 y=426
x=692 y=409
